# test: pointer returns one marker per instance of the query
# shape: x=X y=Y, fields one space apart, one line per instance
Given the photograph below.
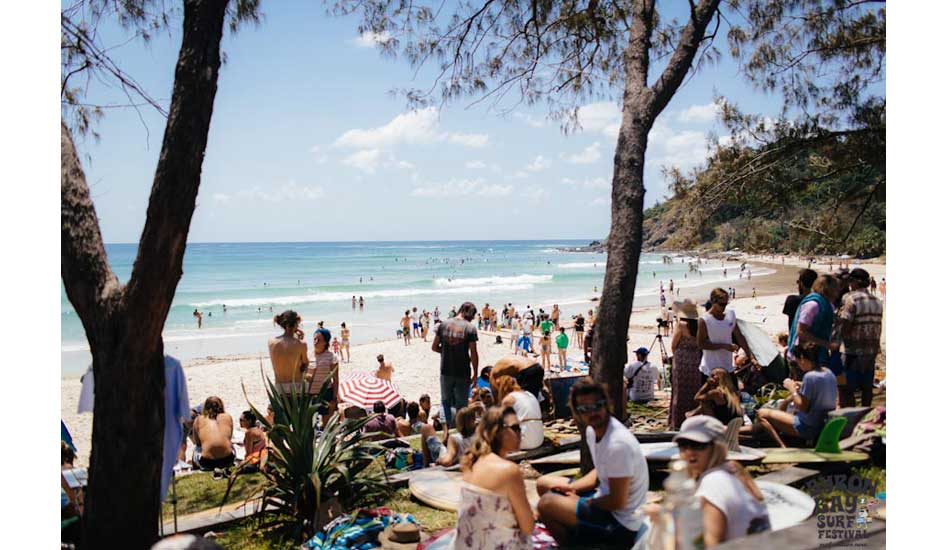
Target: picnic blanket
x=359 y=530
x=541 y=539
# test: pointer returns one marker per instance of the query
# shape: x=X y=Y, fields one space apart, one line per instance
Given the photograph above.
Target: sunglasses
x=693 y=445
x=596 y=406
x=514 y=427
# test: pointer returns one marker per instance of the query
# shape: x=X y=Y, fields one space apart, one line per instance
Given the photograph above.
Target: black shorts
x=210 y=464
x=598 y=525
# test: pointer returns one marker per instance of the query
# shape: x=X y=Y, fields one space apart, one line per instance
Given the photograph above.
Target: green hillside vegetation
x=824 y=194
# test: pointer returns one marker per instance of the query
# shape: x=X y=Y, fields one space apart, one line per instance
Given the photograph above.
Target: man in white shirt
x=571 y=510
x=641 y=378
x=416 y=327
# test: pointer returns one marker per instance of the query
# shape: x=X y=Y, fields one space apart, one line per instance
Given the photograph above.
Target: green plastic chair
x=830 y=434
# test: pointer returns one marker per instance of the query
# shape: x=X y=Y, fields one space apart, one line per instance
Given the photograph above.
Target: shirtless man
x=344 y=342
x=385 y=370
x=213 y=431
x=288 y=353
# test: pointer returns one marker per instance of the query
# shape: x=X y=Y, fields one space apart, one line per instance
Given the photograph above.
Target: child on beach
x=546 y=350
x=562 y=342
x=336 y=347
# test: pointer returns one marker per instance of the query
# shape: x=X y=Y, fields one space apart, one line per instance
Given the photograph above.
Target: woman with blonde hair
x=494 y=512
x=732 y=504
x=719 y=397
x=509 y=394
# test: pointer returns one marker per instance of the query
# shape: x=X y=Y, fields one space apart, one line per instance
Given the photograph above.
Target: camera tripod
x=665 y=359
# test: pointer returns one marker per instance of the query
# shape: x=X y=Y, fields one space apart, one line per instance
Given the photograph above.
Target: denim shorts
x=804 y=430
x=598 y=525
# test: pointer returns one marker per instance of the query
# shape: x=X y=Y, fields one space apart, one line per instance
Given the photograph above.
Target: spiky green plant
x=307 y=469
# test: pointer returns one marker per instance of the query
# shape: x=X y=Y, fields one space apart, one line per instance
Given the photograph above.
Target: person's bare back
x=214 y=435
x=288 y=356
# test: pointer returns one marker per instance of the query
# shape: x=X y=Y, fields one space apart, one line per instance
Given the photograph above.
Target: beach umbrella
x=363 y=389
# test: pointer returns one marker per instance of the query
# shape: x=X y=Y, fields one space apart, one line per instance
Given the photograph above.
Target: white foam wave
x=494 y=281
x=582 y=265
x=346 y=296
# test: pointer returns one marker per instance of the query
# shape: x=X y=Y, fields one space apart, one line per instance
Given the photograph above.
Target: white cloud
x=589 y=155
x=412 y=128
x=221 y=197
x=366 y=161
x=684 y=149
x=600 y=201
x=539 y=163
x=699 y=113
x=588 y=183
x=469 y=140
x=603 y=116
x=369 y=39
x=400 y=164
x=475 y=165
x=290 y=191
x=535 y=193
x=458 y=187
x=530 y=120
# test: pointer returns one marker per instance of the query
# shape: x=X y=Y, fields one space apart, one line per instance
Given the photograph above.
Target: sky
x=308 y=144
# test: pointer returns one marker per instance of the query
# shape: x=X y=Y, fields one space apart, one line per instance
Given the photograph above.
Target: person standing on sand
x=406 y=324
x=716 y=331
x=354 y=302
x=197 y=315
x=515 y=332
x=579 y=330
x=562 y=342
x=344 y=342
x=456 y=341
x=662 y=300
x=859 y=324
x=361 y=303
x=416 y=327
x=671 y=286
x=556 y=316
x=424 y=320
x=288 y=354
x=806 y=278
x=873 y=286
x=486 y=317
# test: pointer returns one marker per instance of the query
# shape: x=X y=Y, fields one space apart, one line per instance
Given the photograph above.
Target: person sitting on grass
x=433 y=414
x=812 y=398
x=571 y=510
x=718 y=398
x=413 y=424
x=448 y=450
x=384 y=424
x=213 y=430
x=255 y=440
x=493 y=507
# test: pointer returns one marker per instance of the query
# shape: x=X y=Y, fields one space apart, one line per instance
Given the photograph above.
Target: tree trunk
x=124 y=324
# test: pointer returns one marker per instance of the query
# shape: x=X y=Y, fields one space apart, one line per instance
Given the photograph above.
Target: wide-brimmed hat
x=701 y=429
x=686 y=309
x=400 y=536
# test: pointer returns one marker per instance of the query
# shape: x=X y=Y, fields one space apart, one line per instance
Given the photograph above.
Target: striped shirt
x=320 y=369
x=864 y=312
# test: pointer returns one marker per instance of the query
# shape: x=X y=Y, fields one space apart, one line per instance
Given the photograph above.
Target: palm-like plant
x=307 y=470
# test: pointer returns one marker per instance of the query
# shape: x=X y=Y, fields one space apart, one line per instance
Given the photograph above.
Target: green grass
x=247 y=534
x=431 y=519
x=198 y=492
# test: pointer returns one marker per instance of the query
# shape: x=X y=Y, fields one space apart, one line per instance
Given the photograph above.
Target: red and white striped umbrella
x=363 y=389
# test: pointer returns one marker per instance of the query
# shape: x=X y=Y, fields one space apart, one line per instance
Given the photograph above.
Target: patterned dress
x=687 y=379
x=486 y=521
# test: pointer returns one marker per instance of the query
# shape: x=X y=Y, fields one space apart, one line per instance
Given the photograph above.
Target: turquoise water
x=318 y=280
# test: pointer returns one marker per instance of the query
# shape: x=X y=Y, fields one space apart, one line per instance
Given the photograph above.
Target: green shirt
x=546 y=326
x=562 y=341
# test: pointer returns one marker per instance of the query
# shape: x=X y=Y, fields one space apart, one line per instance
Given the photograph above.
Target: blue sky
x=307 y=144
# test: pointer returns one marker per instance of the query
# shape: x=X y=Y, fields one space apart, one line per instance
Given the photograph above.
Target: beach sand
x=417 y=367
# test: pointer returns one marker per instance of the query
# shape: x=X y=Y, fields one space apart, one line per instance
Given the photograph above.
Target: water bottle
x=684 y=507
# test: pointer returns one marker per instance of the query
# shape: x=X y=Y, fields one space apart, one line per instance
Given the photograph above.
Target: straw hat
x=686 y=309
x=400 y=536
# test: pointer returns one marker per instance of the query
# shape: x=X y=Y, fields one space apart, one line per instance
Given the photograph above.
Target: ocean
x=255 y=281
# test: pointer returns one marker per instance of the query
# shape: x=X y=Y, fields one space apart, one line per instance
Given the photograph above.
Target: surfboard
x=787 y=506
x=793 y=455
x=654 y=452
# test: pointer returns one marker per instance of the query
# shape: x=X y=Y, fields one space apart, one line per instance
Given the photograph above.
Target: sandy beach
x=417 y=367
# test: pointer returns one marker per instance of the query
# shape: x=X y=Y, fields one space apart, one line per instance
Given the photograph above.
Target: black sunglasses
x=514 y=427
x=595 y=406
x=694 y=445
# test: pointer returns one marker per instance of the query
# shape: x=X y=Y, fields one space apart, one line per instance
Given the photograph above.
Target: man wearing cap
x=641 y=377
x=859 y=328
